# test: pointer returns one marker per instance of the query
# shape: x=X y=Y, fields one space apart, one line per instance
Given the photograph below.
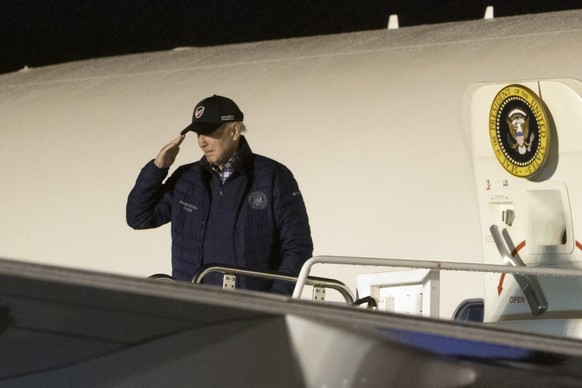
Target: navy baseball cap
x=210 y=113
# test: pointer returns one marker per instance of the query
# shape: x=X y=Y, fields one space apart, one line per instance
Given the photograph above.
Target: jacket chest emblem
x=257 y=200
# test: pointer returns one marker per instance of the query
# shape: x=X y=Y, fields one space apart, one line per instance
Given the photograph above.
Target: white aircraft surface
x=457 y=146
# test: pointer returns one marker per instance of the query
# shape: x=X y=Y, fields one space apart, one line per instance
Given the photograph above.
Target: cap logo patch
x=199 y=112
x=257 y=200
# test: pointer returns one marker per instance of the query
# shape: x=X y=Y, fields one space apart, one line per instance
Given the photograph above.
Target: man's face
x=220 y=145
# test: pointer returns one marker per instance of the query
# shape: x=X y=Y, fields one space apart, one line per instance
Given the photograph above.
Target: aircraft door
x=525 y=143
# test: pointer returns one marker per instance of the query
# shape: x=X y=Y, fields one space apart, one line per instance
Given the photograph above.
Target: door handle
x=529 y=284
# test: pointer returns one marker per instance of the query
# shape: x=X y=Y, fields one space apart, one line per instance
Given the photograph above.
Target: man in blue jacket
x=231 y=207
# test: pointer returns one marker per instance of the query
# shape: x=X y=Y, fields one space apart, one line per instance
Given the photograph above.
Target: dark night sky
x=37 y=33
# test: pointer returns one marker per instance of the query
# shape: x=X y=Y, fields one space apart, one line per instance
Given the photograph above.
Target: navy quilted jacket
x=271 y=228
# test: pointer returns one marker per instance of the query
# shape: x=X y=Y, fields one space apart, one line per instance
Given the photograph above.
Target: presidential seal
x=257 y=200
x=519 y=130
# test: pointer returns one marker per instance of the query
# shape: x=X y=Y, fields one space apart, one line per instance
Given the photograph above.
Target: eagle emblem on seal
x=257 y=200
x=519 y=137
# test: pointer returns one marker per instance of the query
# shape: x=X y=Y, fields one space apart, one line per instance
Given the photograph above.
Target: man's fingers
x=180 y=139
x=168 y=154
x=173 y=144
x=177 y=141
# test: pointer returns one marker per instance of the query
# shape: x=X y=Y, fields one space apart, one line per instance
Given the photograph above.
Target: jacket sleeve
x=149 y=203
x=294 y=231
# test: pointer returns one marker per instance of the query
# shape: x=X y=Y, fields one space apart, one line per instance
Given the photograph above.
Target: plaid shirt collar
x=225 y=171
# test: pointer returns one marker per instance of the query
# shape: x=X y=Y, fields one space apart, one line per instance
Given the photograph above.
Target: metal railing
x=433 y=265
x=319 y=282
x=314 y=281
